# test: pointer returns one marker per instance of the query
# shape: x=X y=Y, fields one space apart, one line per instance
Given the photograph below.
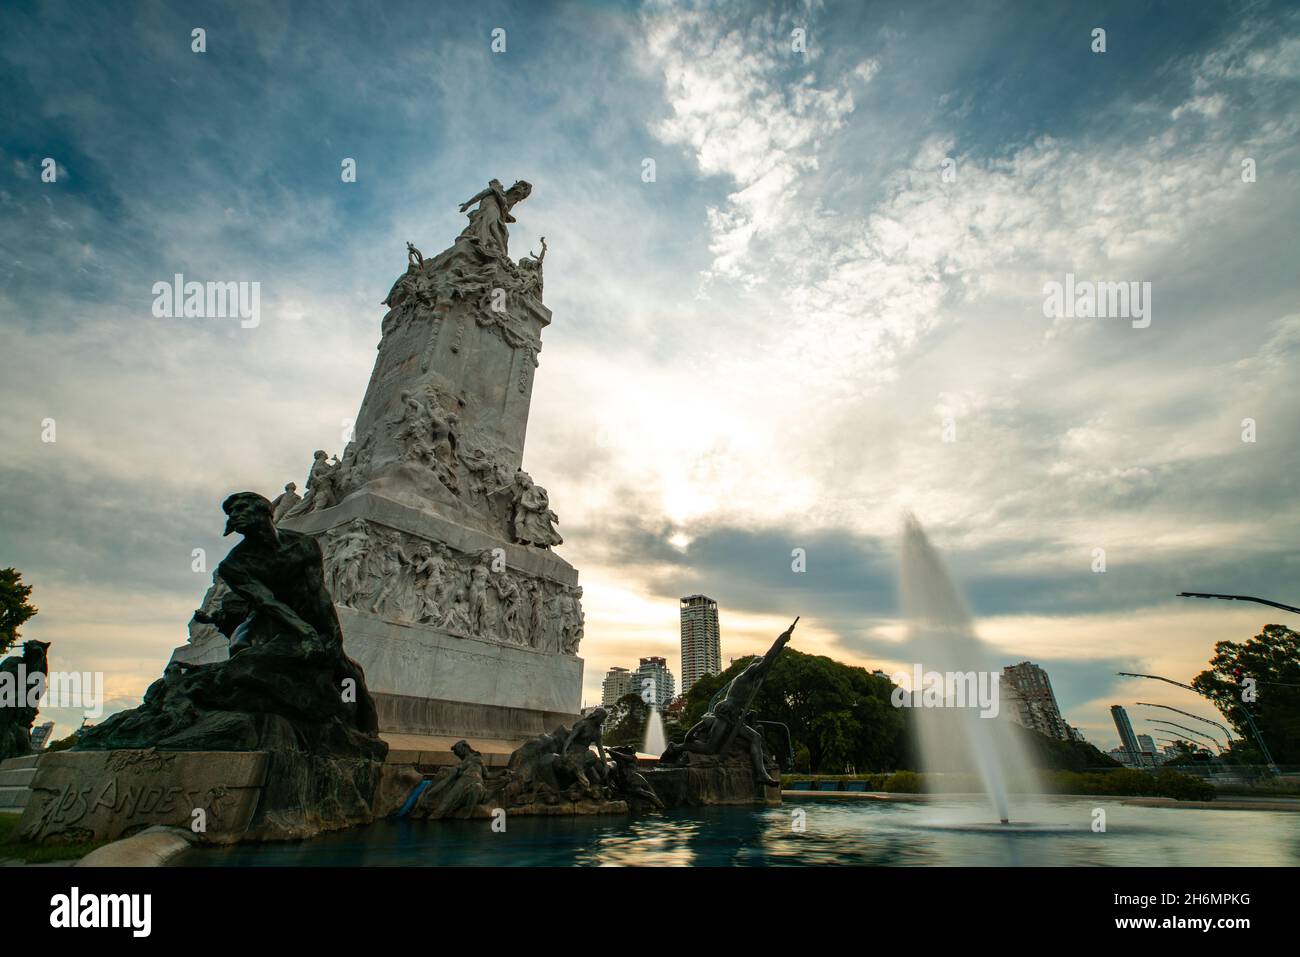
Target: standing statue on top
x=487 y=223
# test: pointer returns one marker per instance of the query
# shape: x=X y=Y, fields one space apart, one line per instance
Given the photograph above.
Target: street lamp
x=1195 y=734
x=1250 y=720
x=1260 y=601
x=1227 y=734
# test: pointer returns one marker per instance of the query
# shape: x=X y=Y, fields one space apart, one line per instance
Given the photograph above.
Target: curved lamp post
x=1258 y=601
x=1196 y=735
x=1224 y=728
x=1259 y=738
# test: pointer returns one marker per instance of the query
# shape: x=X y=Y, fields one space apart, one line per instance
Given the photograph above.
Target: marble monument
x=438 y=545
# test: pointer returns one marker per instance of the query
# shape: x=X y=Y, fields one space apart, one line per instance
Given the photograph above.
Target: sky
x=823 y=311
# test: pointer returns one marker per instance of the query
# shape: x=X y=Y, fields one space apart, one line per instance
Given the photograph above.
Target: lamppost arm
x=1259 y=601
x=1250 y=720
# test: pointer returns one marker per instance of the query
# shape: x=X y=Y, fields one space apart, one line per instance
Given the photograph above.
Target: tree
x=837 y=714
x=1188 y=753
x=1262 y=674
x=626 y=721
x=14 y=607
x=1057 y=755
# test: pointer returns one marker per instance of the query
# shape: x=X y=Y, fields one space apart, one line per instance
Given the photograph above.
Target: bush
x=1184 y=787
x=903 y=782
x=1125 y=782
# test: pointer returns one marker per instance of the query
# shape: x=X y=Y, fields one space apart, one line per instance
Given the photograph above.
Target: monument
x=409 y=600
x=437 y=544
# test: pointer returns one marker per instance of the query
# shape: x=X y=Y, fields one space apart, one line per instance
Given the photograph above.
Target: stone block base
x=569 y=809
x=80 y=796
x=701 y=786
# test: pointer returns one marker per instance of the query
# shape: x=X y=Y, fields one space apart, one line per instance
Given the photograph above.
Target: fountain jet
x=655 y=742
x=953 y=733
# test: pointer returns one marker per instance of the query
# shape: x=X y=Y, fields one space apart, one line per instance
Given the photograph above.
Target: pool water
x=816 y=831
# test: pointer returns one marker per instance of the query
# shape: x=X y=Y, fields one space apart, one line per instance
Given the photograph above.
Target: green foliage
x=625 y=724
x=1125 y=782
x=15 y=610
x=903 y=782
x=838 y=714
x=63 y=744
x=1055 y=755
x=1188 y=754
x=1272 y=659
x=38 y=853
x=1184 y=787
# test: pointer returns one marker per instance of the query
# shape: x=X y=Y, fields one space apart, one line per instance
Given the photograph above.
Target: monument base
x=220 y=796
x=501 y=683
x=703 y=786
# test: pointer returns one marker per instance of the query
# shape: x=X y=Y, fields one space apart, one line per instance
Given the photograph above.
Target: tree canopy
x=15 y=610
x=838 y=714
x=625 y=724
x=1265 y=668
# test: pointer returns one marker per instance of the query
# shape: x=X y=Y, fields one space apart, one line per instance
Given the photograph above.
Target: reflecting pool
x=1045 y=832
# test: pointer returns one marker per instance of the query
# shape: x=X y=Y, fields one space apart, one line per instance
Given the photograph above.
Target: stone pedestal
x=81 y=796
x=695 y=786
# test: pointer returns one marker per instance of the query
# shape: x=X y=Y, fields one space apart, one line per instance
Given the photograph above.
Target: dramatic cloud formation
x=826 y=308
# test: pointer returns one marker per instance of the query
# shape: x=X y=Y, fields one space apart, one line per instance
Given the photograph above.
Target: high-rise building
x=654 y=682
x=701 y=642
x=618 y=682
x=41 y=735
x=1127 y=739
x=1028 y=695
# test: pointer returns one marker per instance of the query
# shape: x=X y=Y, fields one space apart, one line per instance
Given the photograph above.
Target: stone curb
x=152 y=847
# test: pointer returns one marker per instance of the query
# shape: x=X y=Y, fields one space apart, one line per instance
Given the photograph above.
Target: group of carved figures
x=382 y=571
x=427 y=435
x=329 y=481
x=569 y=764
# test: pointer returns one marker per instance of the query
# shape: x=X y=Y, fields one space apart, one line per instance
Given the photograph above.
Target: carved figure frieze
x=405 y=578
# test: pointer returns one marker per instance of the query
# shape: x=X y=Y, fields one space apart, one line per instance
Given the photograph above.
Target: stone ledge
x=153 y=847
x=365 y=504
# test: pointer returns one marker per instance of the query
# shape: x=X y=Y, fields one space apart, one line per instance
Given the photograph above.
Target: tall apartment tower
x=701 y=644
x=1033 y=702
x=1127 y=739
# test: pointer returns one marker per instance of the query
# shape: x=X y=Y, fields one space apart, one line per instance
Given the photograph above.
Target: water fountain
x=655 y=740
x=942 y=638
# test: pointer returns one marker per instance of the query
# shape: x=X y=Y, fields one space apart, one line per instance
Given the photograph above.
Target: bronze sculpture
x=287 y=673
x=723 y=728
